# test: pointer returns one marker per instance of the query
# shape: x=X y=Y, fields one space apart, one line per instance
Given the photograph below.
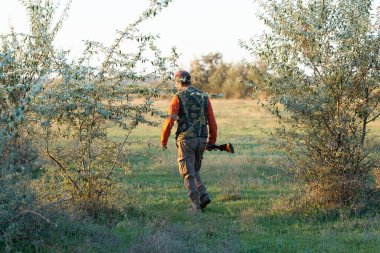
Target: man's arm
x=212 y=127
x=169 y=121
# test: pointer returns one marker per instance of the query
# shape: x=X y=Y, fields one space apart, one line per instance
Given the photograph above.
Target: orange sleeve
x=212 y=127
x=169 y=121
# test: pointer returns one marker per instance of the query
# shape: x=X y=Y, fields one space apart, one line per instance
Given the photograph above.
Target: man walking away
x=192 y=109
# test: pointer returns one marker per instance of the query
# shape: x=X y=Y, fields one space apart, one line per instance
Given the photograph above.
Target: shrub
x=323 y=81
x=66 y=108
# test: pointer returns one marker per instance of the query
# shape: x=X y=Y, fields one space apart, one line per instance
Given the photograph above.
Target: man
x=193 y=111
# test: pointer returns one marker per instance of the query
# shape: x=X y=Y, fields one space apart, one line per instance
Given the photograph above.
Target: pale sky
x=195 y=27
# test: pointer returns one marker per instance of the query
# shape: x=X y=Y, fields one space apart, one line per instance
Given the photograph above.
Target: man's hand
x=210 y=147
x=223 y=147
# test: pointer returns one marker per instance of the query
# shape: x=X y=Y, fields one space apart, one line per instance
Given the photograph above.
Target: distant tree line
x=234 y=80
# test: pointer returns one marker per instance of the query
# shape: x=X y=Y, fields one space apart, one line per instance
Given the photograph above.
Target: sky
x=194 y=27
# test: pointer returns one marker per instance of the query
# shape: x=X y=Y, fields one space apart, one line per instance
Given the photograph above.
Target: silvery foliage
x=84 y=97
x=25 y=65
x=323 y=83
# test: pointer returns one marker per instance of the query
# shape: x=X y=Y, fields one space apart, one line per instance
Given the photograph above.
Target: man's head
x=182 y=78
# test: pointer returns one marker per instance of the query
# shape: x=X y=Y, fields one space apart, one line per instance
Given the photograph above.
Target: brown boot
x=204 y=201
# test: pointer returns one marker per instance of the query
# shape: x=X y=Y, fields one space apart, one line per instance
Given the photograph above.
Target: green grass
x=243 y=188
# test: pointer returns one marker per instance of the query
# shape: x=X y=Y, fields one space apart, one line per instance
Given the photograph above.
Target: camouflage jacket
x=192 y=116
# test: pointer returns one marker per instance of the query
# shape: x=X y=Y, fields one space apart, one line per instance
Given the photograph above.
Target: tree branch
x=37 y=214
x=62 y=168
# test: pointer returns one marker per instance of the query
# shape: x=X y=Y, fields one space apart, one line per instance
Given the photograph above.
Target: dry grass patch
x=376 y=175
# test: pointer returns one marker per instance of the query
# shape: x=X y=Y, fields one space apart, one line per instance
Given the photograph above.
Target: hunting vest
x=192 y=116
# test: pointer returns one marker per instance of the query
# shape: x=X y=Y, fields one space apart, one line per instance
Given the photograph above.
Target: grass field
x=243 y=188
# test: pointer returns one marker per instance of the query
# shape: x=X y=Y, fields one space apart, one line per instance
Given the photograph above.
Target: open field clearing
x=244 y=187
x=81 y=165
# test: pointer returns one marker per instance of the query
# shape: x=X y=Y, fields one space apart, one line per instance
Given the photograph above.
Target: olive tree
x=323 y=79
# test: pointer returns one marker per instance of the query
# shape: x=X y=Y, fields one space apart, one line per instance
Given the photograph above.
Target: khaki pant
x=190 y=154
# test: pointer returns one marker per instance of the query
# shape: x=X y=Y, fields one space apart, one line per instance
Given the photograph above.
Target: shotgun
x=224 y=147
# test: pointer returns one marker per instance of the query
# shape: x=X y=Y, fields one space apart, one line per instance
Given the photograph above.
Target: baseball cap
x=182 y=76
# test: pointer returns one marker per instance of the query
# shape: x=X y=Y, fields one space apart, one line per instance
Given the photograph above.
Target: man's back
x=192 y=116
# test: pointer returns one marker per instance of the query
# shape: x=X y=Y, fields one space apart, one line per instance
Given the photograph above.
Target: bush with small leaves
x=60 y=111
x=324 y=82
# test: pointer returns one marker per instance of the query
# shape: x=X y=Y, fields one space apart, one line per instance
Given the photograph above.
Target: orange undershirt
x=173 y=114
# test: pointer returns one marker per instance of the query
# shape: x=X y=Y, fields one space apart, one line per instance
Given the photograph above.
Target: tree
x=241 y=79
x=213 y=75
x=209 y=72
x=323 y=76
